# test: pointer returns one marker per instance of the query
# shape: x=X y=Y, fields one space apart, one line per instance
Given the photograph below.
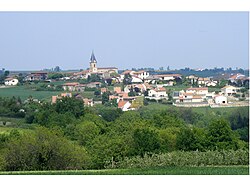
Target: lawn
x=225 y=170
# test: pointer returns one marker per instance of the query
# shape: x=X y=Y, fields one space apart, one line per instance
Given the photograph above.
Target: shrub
x=191 y=158
x=43 y=150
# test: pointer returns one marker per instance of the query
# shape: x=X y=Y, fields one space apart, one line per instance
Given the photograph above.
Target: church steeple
x=92 y=58
x=93 y=62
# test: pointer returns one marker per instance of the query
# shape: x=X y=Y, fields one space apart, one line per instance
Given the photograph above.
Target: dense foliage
x=67 y=135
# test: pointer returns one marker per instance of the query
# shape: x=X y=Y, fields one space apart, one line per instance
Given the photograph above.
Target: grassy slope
x=227 y=170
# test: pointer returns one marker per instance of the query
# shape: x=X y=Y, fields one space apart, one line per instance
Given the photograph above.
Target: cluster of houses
x=139 y=84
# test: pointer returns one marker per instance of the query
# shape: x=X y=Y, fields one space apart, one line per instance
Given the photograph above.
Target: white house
x=211 y=83
x=220 y=99
x=198 y=91
x=229 y=90
x=136 y=80
x=158 y=93
x=168 y=77
x=142 y=74
x=11 y=82
x=141 y=87
x=124 y=105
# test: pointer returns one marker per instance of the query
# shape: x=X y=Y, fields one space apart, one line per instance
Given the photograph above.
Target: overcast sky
x=38 y=40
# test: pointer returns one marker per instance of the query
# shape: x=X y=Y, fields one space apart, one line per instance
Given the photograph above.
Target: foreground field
x=225 y=170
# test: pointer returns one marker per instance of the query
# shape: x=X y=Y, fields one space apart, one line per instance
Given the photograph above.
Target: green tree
x=44 y=149
x=105 y=97
x=71 y=105
x=146 y=141
x=221 y=136
x=86 y=132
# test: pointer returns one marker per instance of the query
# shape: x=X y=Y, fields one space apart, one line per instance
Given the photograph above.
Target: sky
x=38 y=40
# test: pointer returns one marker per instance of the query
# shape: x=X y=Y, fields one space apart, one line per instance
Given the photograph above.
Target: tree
x=146 y=141
x=44 y=149
x=221 y=136
x=105 y=97
x=71 y=105
x=97 y=93
x=86 y=132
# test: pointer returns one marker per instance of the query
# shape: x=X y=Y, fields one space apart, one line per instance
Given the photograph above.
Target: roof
x=201 y=88
x=126 y=72
x=139 y=72
x=121 y=104
x=95 y=83
x=229 y=86
x=203 y=79
x=82 y=72
x=108 y=68
x=188 y=94
x=169 y=75
x=71 y=84
x=92 y=58
x=9 y=79
x=197 y=97
x=161 y=89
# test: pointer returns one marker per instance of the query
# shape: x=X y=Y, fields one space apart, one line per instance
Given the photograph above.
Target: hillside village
x=131 y=89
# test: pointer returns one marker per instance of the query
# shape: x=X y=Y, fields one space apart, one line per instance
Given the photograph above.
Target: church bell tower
x=93 y=62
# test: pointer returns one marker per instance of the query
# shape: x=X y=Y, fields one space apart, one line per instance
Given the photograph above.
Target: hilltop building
x=94 y=69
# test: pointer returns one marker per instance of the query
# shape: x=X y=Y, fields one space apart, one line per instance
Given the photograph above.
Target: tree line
x=68 y=135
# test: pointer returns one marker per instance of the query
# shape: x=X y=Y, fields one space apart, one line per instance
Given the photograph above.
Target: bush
x=181 y=158
x=43 y=150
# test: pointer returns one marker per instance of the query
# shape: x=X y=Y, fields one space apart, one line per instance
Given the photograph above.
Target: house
x=151 y=79
x=94 y=85
x=236 y=77
x=55 y=98
x=189 y=98
x=220 y=99
x=117 y=89
x=158 y=93
x=103 y=90
x=192 y=78
x=136 y=87
x=36 y=76
x=127 y=72
x=136 y=80
x=141 y=74
x=168 y=77
x=70 y=86
x=198 y=91
x=11 y=81
x=81 y=75
x=88 y=102
x=203 y=81
x=229 y=90
x=211 y=83
x=124 y=105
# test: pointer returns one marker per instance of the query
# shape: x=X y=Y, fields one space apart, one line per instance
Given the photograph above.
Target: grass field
x=227 y=170
x=24 y=92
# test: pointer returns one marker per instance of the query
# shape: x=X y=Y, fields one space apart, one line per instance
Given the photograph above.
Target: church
x=94 y=69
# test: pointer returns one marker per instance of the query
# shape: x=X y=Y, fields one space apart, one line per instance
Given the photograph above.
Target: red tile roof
x=121 y=104
x=201 y=88
x=71 y=84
